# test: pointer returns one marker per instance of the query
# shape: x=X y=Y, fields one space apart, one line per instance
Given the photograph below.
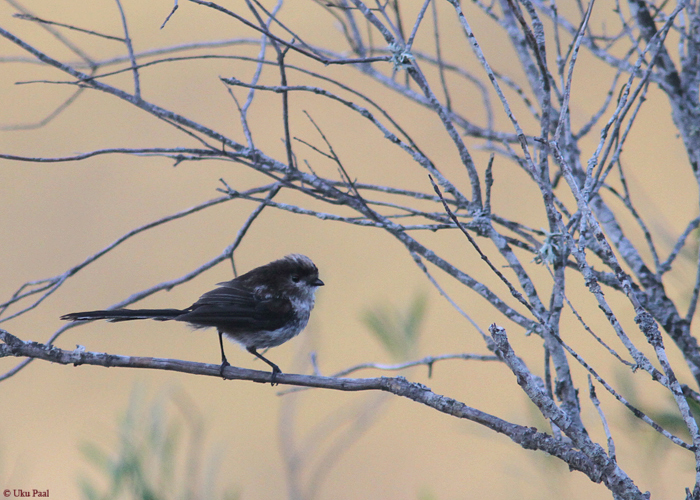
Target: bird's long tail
x=125 y=315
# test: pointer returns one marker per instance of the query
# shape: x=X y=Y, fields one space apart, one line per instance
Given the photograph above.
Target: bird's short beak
x=318 y=282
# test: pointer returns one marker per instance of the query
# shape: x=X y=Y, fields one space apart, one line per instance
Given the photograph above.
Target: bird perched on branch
x=262 y=308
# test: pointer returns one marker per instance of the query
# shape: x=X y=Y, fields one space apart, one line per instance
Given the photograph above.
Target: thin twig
x=603 y=420
x=130 y=48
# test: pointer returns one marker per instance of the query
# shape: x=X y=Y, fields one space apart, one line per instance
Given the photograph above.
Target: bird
x=262 y=308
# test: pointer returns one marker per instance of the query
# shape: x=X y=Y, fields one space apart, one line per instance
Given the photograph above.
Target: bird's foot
x=224 y=364
x=273 y=377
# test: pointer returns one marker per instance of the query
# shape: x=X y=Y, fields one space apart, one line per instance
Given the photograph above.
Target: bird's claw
x=224 y=364
x=273 y=377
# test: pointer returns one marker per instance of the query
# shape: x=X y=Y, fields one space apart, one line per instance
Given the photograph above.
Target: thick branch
x=527 y=437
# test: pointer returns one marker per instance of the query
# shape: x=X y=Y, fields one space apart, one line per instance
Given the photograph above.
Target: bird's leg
x=275 y=368
x=224 y=361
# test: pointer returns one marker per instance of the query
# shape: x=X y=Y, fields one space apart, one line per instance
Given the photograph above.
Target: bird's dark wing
x=233 y=308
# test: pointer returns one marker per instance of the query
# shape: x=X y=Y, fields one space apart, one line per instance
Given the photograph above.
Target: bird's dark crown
x=296 y=267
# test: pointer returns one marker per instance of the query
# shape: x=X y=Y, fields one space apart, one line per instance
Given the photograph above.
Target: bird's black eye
x=296 y=278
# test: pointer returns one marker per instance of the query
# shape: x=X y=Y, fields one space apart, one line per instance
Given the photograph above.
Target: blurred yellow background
x=55 y=215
